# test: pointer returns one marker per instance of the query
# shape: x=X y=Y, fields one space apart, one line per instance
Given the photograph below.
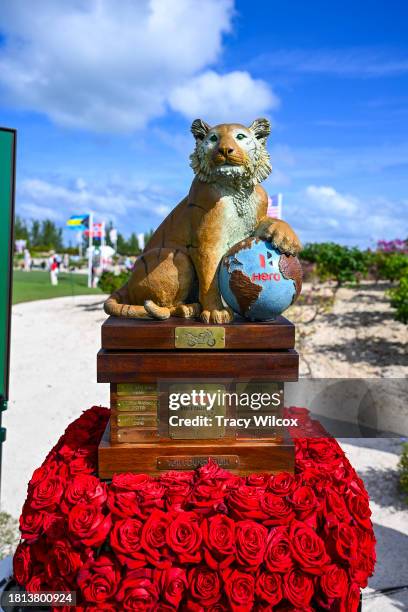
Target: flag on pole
x=141 y=241
x=78 y=222
x=97 y=230
x=275 y=206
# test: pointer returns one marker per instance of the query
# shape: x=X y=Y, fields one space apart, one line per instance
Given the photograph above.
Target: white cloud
x=112 y=66
x=320 y=214
x=234 y=96
x=38 y=198
x=30 y=210
x=329 y=200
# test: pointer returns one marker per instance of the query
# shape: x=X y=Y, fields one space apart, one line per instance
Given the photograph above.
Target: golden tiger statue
x=176 y=275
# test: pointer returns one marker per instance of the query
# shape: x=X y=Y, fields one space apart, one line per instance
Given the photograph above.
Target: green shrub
x=399 y=299
x=403 y=469
x=311 y=251
x=391 y=266
x=110 y=282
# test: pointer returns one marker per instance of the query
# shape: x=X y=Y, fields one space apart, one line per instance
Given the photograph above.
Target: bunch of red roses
x=196 y=541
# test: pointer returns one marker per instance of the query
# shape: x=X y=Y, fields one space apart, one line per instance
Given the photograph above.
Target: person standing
x=53 y=268
x=27 y=260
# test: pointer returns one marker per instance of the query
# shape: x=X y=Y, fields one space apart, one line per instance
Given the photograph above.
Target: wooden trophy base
x=145 y=360
x=239 y=456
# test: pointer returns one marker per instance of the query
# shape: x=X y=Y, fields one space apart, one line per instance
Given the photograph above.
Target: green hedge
x=110 y=282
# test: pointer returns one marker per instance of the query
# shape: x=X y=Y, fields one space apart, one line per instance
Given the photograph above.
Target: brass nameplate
x=191 y=462
x=199 y=337
x=136 y=420
x=137 y=404
x=134 y=434
x=136 y=389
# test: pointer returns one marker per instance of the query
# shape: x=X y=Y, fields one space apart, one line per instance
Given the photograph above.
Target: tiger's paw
x=224 y=315
x=281 y=235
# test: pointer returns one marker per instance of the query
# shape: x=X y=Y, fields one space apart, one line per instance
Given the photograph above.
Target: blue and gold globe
x=257 y=281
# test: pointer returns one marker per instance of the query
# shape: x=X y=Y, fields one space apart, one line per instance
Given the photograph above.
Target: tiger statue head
x=231 y=152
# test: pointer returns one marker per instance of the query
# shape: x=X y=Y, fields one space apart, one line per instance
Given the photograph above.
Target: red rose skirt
x=204 y=540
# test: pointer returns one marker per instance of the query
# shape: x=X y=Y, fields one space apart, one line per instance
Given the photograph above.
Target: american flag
x=275 y=206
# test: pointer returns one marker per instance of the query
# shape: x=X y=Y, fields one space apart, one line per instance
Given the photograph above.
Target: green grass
x=30 y=286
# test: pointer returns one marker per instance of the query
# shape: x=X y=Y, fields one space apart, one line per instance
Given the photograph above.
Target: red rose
x=239 y=588
x=31 y=523
x=47 y=469
x=138 y=591
x=257 y=480
x=87 y=524
x=81 y=465
x=314 y=476
x=178 y=488
x=37 y=583
x=154 y=538
x=129 y=481
x=99 y=580
x=323 y=450
x=22 y=563
x=344 y=540
x=351 y=602
x=204 y=585
x=334 y=582
x=269 y=588
x=277 y=554
x=335 y=504
x=212 y=471
x=244 y=502
x=125 y=540
x=123 y=503
x=281 y=484
x=219 y=537
x=307 y=548
x=363 y=566
x=172 y=478
x=173 y=584
x=276 y=509
x=66 y=559
x=298 y=588
x=207 y=496
x=304 y=502
x=250 y=543
x=54 y=525
x=47 y=493
x=84 y=489
x=359 y=508
x=151 y=497
x=184 y=537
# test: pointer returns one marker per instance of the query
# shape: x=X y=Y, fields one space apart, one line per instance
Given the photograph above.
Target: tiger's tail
x=118 y=305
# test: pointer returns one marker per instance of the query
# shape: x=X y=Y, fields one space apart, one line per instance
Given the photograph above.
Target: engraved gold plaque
x=136 y=420
x=135 y=404
x=199 y=337
x=191 y=462
x=136 y=389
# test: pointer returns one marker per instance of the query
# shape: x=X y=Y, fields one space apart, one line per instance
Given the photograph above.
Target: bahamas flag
x=78 y=222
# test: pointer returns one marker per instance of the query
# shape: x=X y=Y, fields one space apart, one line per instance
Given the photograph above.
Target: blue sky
x=103 y=94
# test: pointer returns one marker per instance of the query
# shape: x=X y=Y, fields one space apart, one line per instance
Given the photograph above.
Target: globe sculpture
x=257 y=281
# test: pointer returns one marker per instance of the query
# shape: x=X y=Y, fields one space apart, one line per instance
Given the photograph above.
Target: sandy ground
x=53 y=378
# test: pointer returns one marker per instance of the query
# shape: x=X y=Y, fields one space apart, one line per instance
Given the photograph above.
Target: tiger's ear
x=199 y=129
x=261 y=128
